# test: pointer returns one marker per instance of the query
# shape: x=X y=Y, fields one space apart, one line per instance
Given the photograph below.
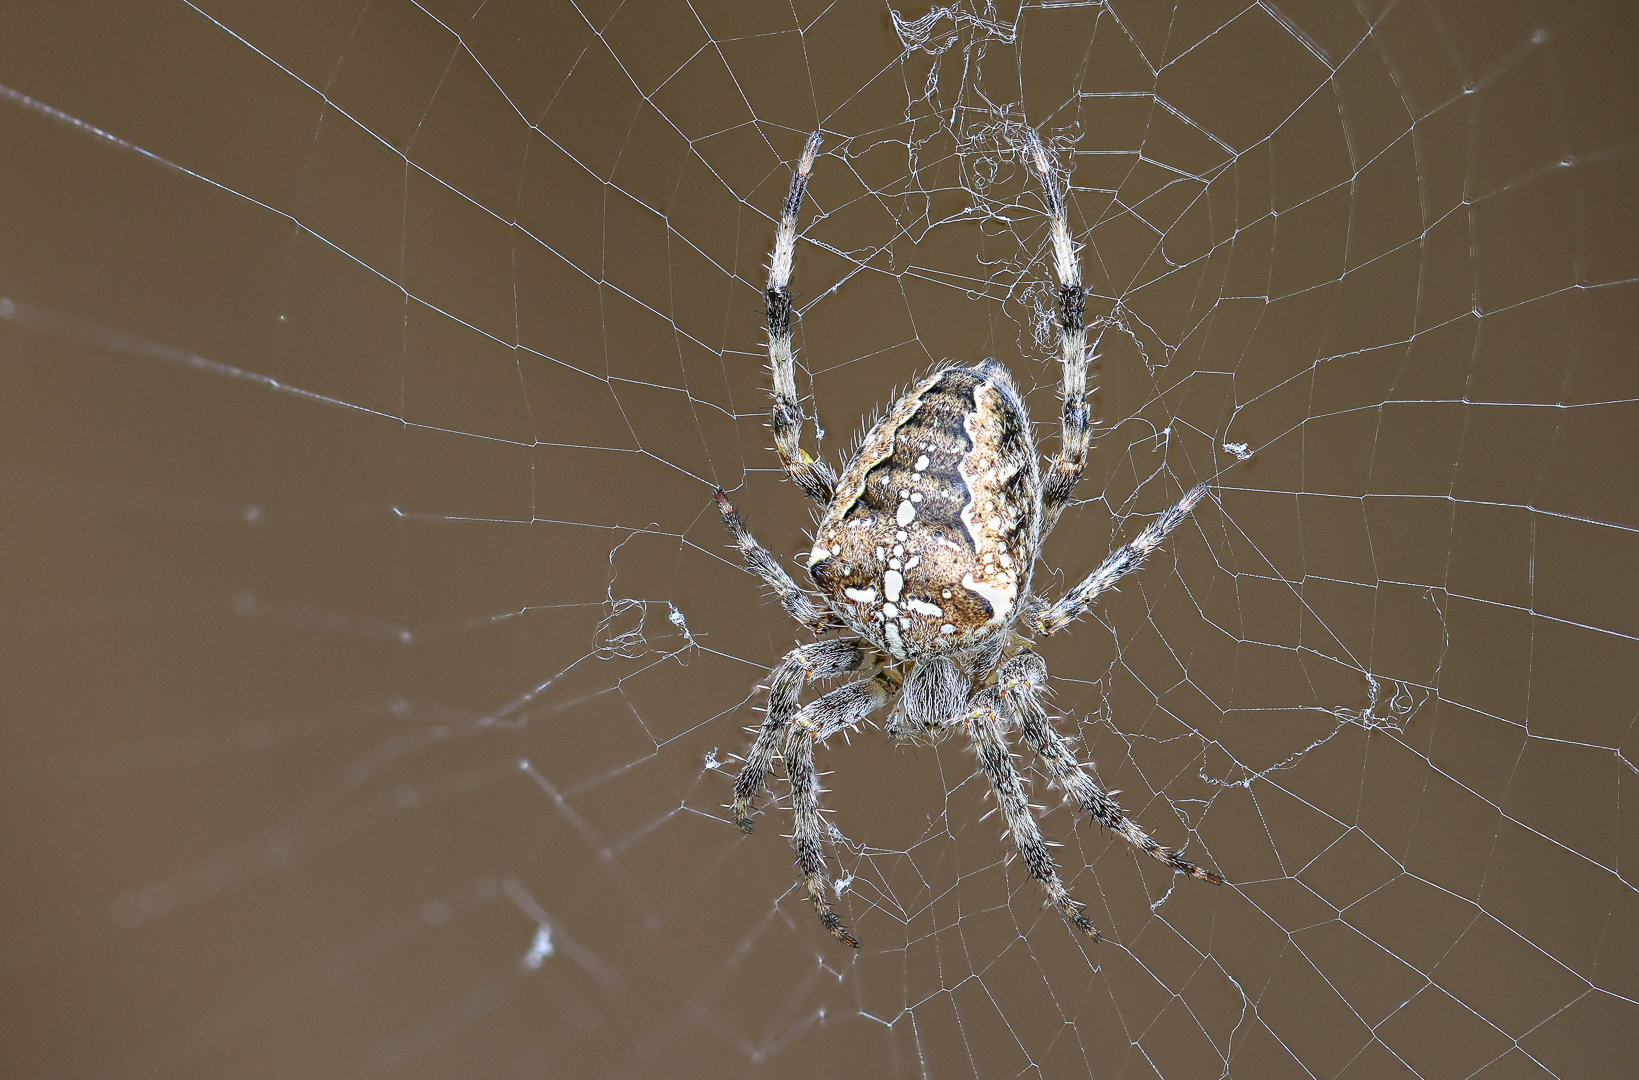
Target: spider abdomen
x=928 y=546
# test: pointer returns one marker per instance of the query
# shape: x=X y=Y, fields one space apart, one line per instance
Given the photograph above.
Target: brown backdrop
x=375 y=663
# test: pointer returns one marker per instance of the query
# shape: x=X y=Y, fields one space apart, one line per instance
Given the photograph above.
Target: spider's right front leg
x=796 y=731
x=805 y=663
x=815 y=477
x=819 y=720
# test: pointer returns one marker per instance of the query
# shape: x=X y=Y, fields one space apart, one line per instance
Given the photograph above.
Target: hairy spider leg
x=804 y=664
x=1117 y=565
x=986 y=728
x=1023 y=681
x=815 y=477
x=842 y=708
x=760 y=561
x=1065 y=470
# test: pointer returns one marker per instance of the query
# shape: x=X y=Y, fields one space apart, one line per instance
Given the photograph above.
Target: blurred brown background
x=374 y=660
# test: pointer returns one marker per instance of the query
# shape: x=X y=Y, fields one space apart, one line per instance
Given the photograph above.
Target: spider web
x=369 y=370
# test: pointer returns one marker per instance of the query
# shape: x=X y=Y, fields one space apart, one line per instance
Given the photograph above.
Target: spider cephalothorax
x=925 y=549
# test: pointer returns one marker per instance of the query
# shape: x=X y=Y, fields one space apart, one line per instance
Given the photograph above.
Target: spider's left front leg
x=986 y=727
x=1065 y=470
x=1023 y=682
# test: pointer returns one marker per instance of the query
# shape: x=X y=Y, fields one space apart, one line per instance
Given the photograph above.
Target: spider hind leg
x=1064 y=471
x=815 y=477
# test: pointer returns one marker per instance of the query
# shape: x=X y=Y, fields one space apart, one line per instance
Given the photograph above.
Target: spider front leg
x=1065 y=470
x=1117 y=565
x=815 y=477
x=841 y=708
x=1023 y=681
x=986 y=728
x=804 y=664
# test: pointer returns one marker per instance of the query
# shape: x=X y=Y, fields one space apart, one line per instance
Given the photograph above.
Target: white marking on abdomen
x=907 y=512
x=860 y=596
x=892 y=582
x=1001 y=600
x=925 y=608
x=896 y=644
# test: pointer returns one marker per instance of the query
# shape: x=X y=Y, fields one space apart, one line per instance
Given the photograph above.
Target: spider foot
x=741 y=814
x=798 y=604
x=1167 y=855
x=833 y=923
x=1076 y=912
x=1139 y=839
x=1184 y=866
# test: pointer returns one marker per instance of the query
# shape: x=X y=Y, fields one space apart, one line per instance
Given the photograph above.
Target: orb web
x=486 y=331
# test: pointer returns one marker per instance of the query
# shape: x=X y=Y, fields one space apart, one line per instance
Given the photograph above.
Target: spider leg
x=1118 y=564
x=805 y=663
x=842 y=708
x=825 y=716
x=798 y=604
x=1065 y=470
x=1023 y=680
x=986 y=727
x=815 y=477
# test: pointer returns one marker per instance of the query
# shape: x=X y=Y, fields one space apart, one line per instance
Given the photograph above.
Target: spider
x=923 y=553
